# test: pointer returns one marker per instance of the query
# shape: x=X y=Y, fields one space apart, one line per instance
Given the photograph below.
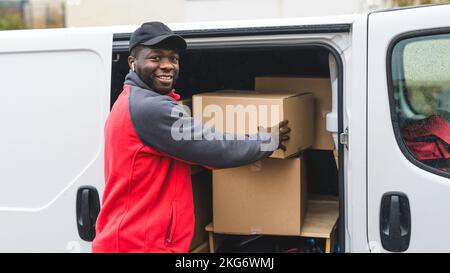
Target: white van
x=58 y=86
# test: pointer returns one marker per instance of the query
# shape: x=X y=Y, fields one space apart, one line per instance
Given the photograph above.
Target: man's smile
x=165 y=78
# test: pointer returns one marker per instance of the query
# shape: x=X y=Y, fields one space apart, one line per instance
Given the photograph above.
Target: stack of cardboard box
x=270 y=196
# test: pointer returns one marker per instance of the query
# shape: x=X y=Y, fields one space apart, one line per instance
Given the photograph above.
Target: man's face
x=157 y=67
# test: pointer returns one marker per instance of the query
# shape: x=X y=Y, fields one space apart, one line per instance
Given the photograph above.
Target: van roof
x=200 y=27
x=274 y=22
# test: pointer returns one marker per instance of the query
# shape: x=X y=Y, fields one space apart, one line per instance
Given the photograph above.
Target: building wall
x=319 y=7
x=206 y=10
x=44 y=13
x=124 y=12
x=213 y=10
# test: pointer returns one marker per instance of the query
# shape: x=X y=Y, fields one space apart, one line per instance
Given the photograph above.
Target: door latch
x=87 y=209
x=395 y=222
x=343 y=138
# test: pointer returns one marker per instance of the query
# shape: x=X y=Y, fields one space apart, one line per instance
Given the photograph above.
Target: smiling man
x=147 y=204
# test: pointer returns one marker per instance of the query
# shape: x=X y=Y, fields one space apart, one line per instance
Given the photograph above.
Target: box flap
x=248 y=94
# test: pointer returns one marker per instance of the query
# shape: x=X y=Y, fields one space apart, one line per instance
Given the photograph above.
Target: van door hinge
x=343 y=138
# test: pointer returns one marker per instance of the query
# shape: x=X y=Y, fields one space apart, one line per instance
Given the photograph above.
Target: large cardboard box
x=321 y=90
x=202 y=193
x=267 y=197
x=241 y=112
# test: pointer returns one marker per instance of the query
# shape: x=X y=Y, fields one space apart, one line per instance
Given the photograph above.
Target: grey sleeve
x=168 y=127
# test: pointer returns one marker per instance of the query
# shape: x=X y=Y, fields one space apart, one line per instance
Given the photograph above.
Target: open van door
x=54 y=100
x=408 y=129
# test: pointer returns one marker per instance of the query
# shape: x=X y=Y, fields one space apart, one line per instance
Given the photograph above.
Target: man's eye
x=155 y=58
x=175 y=59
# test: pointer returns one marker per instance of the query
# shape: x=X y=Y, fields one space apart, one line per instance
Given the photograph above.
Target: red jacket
x=147 y=204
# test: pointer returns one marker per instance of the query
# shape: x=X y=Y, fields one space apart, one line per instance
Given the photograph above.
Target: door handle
x=87 y=209
x=395 y=222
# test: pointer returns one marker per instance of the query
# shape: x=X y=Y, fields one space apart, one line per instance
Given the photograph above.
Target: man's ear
x=131 y=61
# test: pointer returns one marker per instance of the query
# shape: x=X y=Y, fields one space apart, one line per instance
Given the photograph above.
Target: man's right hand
x=283 y=133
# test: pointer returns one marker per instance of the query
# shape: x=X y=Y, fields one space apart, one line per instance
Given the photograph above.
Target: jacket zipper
x=172 y=224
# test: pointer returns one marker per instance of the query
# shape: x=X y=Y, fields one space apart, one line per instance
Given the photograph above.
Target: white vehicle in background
x=58 y=86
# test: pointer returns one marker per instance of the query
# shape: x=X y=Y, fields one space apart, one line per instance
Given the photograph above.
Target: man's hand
x=283 y=133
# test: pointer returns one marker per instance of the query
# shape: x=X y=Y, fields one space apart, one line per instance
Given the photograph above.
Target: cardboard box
x=241 y=112
x=319 y=87
x=267 y=197
x=202 y=194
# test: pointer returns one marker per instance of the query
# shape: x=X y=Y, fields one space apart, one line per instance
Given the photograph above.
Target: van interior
x=211 y=69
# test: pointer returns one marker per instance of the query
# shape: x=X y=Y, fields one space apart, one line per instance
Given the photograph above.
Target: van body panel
x=389 y=169
x=54 y=101
x=355 y=111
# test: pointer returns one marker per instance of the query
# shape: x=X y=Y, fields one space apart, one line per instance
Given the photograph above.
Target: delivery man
x=147 y=204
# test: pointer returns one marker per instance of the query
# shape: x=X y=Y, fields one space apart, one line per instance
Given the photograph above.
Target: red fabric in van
x=428 y=138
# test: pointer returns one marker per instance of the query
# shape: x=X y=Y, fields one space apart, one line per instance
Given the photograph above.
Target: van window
x=421 y=98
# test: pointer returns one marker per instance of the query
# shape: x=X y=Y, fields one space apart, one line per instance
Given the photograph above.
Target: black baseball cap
x=152 y=33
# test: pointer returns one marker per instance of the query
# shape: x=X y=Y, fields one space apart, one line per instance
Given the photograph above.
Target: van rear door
x=54 y=100
x=408 y=129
